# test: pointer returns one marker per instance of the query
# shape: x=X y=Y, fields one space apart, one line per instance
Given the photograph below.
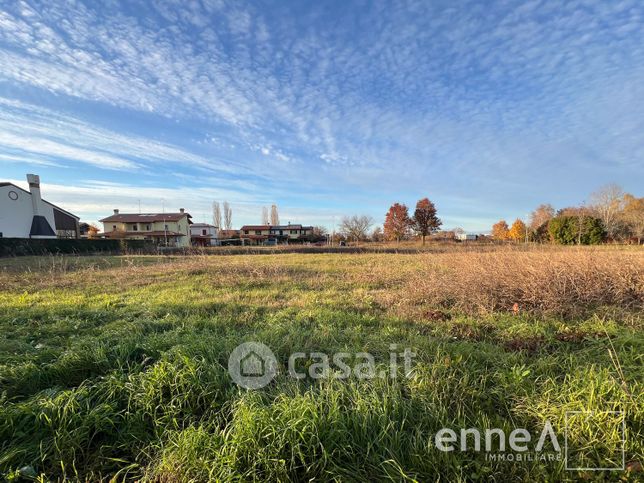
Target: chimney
x=181 y=210
x=40 y=227
x=116 y=211
x=34 y=189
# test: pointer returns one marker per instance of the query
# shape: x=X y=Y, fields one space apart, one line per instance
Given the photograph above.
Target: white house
x=466 y=237
x=203 y=234
x=24 y=214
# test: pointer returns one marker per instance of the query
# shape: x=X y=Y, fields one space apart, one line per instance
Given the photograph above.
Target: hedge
x=30 y=246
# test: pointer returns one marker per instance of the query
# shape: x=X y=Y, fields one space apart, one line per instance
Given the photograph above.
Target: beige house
x=164 y=229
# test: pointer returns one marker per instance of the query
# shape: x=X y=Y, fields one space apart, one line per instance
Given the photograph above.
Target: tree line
x=610 y=215
x=398 y=224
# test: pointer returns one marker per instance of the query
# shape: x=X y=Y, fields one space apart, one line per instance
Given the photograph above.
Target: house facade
x=163 y=229
x=264 y=234
x=203 y=234
x=24 y=214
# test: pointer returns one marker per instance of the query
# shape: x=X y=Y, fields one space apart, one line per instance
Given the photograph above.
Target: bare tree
x=355 y=227
x=228 y=216
x=542 y=214
x=275 y=217
x=216 y=214
x=377 y=235
x=264 y=215
x=608 y=202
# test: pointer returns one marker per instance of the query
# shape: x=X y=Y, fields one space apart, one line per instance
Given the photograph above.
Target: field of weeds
x=117 y=367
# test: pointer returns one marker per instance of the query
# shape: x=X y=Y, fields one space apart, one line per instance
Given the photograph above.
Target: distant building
x=164 y=229
x=24 y=214
x=466 y=237
x=272 y=234
x=203 y=234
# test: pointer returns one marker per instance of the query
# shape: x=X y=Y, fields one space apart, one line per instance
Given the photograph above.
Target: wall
x=16 y=216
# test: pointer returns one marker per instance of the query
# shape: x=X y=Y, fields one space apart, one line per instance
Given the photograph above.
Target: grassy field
x=116 y=367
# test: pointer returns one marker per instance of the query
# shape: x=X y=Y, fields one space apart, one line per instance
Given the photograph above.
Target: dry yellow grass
x=563 y=281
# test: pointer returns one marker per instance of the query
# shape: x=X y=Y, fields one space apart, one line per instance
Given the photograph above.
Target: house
x=261 y=234
x=203 y=234
x=163 y=229
x=24 y=214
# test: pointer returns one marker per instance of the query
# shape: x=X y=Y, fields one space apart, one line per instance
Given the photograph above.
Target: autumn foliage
x=425 y=220
x=518 y=231
x=397 y=222
x=500 y=230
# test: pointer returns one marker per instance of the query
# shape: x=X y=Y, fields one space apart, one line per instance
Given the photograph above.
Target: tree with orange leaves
x=518 y=231
x=397 y=222
x=500 y=230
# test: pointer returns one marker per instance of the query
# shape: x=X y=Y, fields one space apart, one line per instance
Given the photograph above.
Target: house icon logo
x=252 y=365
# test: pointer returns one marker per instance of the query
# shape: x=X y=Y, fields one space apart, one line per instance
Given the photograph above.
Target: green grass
x=117 y=367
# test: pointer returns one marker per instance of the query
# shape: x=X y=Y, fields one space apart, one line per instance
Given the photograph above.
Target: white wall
x=16 y=216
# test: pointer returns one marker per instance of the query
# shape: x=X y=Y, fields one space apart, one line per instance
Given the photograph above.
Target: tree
x=541 y=215
x=570 y=229
x=425 y=220
x=355 y=227
x=275 y=218
x=518 y=232
x=319 y=233
x=92 y=231
x=216 y=214
x=377 y=235
x=633 y=216
x=228 y=216
x=397 y=222
x=264 y=215
x=500 y=230
x=608 y=202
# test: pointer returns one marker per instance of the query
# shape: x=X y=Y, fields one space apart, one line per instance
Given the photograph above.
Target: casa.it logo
x=252 y=365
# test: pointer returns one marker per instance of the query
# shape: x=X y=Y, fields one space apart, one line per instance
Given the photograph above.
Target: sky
x=325 y=108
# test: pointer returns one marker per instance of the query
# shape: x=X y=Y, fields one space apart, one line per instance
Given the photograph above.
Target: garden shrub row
x=30 y=246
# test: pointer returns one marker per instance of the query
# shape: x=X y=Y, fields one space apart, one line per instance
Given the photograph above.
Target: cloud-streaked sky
x=325 y=108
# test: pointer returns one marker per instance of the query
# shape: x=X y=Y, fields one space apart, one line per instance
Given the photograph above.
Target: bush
x=569 y=230
x=31 y=246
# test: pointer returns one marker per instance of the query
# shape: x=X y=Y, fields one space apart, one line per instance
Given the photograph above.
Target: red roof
x=144 y=217
x=256 y=227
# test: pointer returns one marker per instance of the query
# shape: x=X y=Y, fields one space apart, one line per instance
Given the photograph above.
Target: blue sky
x=325 y=108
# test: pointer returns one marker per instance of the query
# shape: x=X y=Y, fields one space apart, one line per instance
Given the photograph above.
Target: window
x=113 y=227
x=293 y=232
x=147 y=227
x=203 y=232
x=135 y=227
x=258 y=232
x=245 y=232
x=165 y=227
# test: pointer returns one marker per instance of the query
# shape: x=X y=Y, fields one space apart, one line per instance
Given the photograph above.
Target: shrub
x=32 y=246
x=569 y=230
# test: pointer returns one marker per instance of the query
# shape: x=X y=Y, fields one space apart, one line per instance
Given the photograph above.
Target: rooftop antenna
x=139 y=206
x=162 y=205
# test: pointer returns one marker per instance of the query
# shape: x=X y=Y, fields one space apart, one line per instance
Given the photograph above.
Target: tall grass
x=560 y=282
